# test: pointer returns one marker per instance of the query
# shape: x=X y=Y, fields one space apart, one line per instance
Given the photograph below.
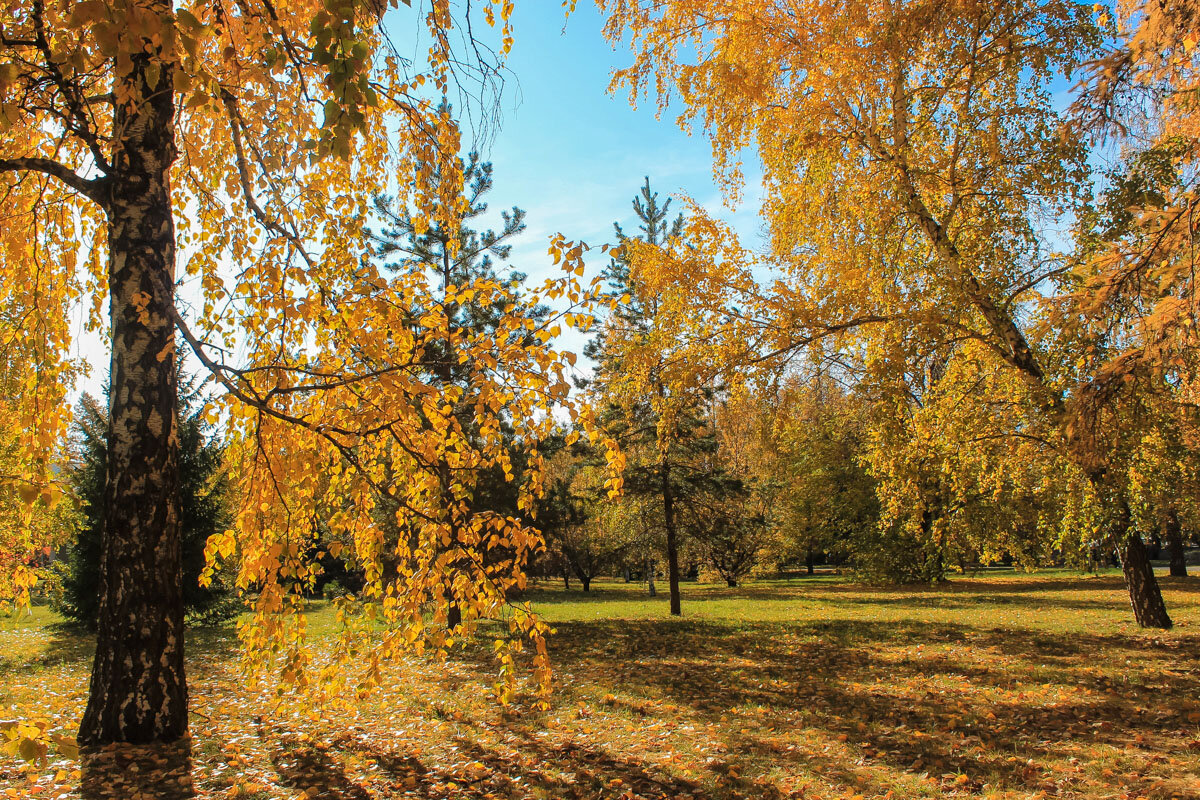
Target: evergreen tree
x=457 y=258
x=672 y=461
x=204 y=496
x=637 y=313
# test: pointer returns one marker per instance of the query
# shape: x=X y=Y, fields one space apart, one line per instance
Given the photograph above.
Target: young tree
x=450 y=249
x=732 y=533
x=460 y=258
x=584 y=537
x=658 y=421
x=576 y=536
x=811 y=434
x=910 y=152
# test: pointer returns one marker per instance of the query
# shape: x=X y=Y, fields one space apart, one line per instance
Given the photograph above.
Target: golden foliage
x=329 y=392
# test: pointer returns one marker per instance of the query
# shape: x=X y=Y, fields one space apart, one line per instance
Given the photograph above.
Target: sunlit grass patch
x=1003 y=685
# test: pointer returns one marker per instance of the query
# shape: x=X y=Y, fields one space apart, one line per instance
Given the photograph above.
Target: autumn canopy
x=965 y=337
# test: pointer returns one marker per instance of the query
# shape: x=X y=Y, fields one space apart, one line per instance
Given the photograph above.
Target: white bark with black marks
x=138 y=687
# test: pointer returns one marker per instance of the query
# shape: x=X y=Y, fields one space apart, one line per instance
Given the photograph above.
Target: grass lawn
x=1005 y=685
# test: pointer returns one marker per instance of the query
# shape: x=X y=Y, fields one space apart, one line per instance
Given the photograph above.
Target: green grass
x=1049 y=606
x=1002 y=685
x=1053 y=601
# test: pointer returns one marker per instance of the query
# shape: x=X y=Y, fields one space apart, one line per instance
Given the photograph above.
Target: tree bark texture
x=1144 y=595
x=138 y=687
x=1173 y=533
x=668 y=498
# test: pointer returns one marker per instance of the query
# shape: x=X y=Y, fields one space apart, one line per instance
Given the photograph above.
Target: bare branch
x=93 y=189
x=76 y=105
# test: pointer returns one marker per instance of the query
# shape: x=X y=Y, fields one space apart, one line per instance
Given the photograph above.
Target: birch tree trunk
x=1144 y=594
x=138 y=688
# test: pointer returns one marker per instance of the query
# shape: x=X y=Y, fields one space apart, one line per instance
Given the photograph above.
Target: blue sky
x=574 y=156
x=566 y=151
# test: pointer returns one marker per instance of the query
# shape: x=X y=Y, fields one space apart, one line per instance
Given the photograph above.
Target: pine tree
x=638 y=312
x=671 y=461
x=456 y=258
x=204 y=497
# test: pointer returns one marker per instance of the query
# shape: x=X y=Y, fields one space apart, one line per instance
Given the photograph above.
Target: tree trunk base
x=1144 y=594
x=161 y=771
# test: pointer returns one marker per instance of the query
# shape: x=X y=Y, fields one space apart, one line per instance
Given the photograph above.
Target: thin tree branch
x=93 y=189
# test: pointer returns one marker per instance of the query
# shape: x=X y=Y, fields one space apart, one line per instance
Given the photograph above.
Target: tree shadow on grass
x=601 y=592
x=954 y=709
x=986 y=588
x=592 y=769
x=855 y=706
x=1047 y=594
x=72 y=643
x=530 y=766
x=1041 y=595
x=956 y=602
x=138 y=772
x=69 y=644
x=307 y=766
